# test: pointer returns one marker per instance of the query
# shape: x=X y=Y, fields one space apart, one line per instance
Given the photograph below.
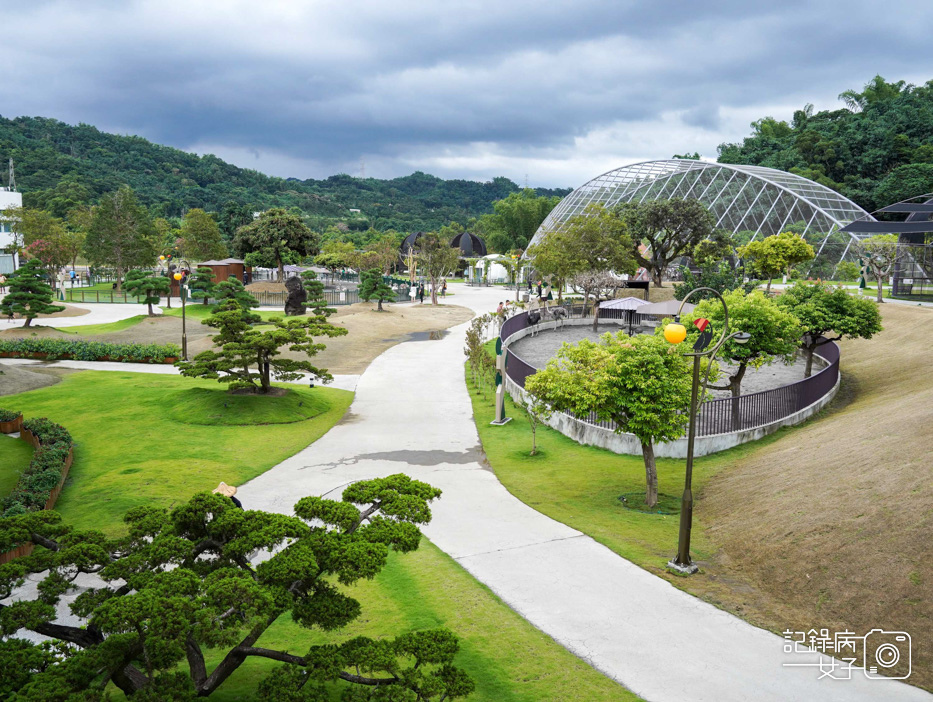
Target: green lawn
x=199 y=311
x=150 y=439
x=508 y=658
x=581 y=485
x=108 y=328
x=14 y=457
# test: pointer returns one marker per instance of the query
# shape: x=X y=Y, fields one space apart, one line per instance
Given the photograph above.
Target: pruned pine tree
x=173 y=607
x=148 y=286
x=373 y=287
x=29 y=295
x=248 y=359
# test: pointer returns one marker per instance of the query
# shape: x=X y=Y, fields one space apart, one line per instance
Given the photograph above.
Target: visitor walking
x=228 y=491
x=539 y=288
x=413 y=292
x=444 y=288
x=421 y=293
x=2 y=283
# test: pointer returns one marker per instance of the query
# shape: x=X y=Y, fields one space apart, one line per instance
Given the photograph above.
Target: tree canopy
x=515 y=219
x=668 y=228
x=641 y=383
x=29 y=295
x=276 y=235
x=121 y=234
x=185 y=588
x=875 y=150
x=776 y=254
x=829 y=314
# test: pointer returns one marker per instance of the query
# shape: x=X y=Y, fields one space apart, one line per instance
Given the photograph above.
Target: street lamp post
x=181 y=274
x=675 y=333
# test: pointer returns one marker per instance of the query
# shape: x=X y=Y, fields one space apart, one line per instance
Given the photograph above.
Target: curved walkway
x=412 y=414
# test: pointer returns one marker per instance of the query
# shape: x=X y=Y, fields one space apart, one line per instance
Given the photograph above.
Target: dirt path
x=832 y=524
x=371 y=332
x=15 y=379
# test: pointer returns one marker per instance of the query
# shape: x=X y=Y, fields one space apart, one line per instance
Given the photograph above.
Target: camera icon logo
x=883 y=651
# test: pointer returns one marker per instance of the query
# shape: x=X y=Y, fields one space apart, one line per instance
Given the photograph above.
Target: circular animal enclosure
x=773 y=397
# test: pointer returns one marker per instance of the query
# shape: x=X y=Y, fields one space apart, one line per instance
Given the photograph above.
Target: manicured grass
x=206 y=406
x=14 y=457
x=581 y=485
x=200 y=312
x=132 y=447
x=108 y=328
x=508 y=658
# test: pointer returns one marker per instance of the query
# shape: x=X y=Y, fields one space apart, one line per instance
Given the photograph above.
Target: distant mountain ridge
x=66 y=165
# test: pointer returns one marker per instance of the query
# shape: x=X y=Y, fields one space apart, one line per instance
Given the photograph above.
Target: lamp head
x=177 y=276
x=675 y=332
x=742 y=338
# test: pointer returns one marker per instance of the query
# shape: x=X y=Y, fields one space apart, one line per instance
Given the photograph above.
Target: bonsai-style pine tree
x=373 y=287
x=173 y=607
x=202 y=282
x=29 y=295
x=316 y=301
x=147 y=286
x=241 y=347
x=233 y=289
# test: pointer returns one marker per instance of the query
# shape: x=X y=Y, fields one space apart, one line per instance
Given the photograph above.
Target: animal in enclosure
x=533 y=318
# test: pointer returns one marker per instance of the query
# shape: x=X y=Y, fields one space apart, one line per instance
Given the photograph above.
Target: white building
x=8 y=260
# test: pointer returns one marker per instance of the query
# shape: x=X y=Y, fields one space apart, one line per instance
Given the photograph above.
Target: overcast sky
x=555 y=91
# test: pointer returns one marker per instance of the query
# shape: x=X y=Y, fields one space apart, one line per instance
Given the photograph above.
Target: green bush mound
x=89 y=350
x=209 y=407
x=45 y=469
x=14 y=457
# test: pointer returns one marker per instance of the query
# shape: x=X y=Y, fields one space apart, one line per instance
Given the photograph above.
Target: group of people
x=417 y=291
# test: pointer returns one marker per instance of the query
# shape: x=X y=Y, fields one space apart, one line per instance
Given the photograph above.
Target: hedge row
x=44 y=472
x=90 y=350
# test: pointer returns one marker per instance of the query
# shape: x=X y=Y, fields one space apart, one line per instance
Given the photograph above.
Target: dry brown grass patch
x=833 y=523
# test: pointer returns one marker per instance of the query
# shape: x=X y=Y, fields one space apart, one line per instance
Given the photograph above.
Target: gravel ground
x=538 y=350
x=14 y=379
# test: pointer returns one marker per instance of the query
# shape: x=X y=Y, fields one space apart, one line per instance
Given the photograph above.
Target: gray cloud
x=474 y=90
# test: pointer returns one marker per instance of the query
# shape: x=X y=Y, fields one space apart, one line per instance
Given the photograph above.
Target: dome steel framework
x=761 y=200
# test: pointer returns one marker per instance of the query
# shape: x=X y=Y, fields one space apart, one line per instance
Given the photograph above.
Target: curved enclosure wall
x=753 y=199
x=721 y=423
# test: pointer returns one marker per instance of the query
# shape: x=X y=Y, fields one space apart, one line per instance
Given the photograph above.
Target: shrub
x=45 y=470
x=8 y=415
x=90 y=350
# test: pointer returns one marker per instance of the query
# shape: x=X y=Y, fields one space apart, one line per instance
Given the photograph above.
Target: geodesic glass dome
x=752 y=199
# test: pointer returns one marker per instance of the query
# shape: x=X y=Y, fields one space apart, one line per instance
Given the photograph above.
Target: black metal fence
x=721 y=415
x=265 y=299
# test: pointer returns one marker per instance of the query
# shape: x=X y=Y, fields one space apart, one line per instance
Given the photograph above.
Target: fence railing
x=721 y=415
x=265 y=299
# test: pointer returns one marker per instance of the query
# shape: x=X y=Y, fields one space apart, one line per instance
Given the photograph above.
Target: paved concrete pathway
x=412 y=414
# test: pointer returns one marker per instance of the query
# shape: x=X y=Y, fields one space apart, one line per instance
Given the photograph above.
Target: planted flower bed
x=10 y=421
x=53 y=349
x=41 y=483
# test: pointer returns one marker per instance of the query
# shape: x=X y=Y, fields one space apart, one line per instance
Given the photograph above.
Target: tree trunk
x=651 y=474
x=281 y=267
x=379 y=304
x=808 y=352
x=596 y=316
x=28 y=321
x=264 y=377
x=735 y=385
x=768 y=288
x=119 y=279
x=657 y=275
x=151 y=313
x=880 y=297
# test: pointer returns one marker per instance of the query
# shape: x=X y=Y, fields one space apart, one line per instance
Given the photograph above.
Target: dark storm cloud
x=485 y=87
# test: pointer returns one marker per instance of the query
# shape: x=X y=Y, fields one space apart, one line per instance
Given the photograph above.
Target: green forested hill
x=876 y=150
x=59 y=166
